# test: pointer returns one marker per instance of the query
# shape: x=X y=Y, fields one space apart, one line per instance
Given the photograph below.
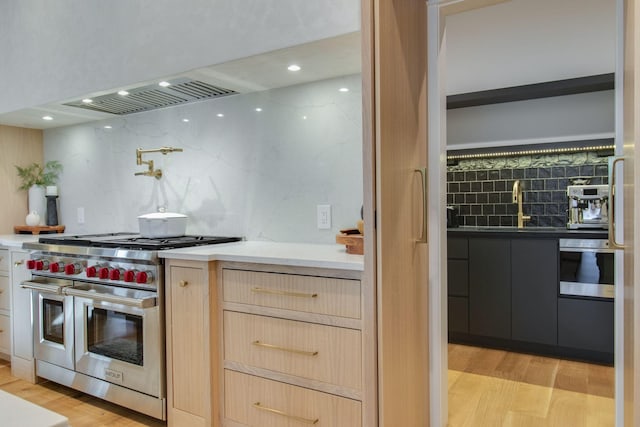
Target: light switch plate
x=324 y=217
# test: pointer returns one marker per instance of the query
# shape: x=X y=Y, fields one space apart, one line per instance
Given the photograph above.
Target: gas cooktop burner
x=135 y=241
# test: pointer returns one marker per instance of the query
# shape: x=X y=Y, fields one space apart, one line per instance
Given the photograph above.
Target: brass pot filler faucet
x=517 y=198
x=156 y=173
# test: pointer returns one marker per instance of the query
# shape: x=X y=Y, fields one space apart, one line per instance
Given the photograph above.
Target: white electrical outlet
x=324 y=217
x=80 y=215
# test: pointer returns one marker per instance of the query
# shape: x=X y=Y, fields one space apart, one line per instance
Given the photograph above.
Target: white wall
x=55 y=50
x=255 y=174
x=580 y=116
x=529 y=41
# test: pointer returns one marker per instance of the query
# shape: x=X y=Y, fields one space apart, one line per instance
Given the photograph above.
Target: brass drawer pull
x=285 y=293
x=257 y=405
x=1 y=331
x=1 y=291
x=183 y=283
x=290 y=350
x=18 y=263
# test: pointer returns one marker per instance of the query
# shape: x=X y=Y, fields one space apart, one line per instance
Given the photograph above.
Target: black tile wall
x=484 y=196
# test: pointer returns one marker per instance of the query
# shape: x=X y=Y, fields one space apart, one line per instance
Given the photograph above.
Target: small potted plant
x=35 y=178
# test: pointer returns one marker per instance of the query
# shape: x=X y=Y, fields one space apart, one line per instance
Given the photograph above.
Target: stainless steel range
x=98 y=314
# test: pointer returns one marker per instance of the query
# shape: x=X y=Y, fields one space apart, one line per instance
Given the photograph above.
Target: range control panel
x=115 y=272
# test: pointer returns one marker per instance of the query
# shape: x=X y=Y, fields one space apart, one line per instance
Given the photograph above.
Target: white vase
x=37 y=202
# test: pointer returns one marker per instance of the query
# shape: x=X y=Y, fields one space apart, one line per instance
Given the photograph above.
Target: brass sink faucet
x=517 y=198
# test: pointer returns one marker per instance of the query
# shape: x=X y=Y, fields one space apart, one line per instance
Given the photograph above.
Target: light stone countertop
x=15 y=241
x=276 y=253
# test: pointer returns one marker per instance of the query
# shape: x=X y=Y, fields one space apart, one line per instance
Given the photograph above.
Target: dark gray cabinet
x=458 y=284
x=503 y=292
x=490 y=287
x=586 y=324
x=534 y=290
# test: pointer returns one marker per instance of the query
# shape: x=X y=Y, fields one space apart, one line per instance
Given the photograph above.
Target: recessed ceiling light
x=87 y=100
x=258 y=109
x=344 y=89
x=164 y=84
x=107 y=127
x=185 y=120
x=123 y=93
x=293 y=67
x=220 y=115
x=304 y=117
x=47 y=118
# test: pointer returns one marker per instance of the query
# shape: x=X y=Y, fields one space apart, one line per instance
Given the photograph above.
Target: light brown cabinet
x=293 y=347
x=267 y=345
x=191 y=355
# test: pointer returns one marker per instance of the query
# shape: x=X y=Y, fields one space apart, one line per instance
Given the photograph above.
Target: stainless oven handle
x=115 y=299
x=42 y=287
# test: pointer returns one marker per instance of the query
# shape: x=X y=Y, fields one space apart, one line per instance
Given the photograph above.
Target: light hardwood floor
x=486 y=388
x=498 y=388
x=81 y=409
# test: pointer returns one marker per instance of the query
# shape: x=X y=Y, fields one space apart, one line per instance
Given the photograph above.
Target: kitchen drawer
x=5 y=334
x=4 y=260
x=458 y=247
x=323 y=295
x=258 y=402
x=5 y=301
x=318 y=352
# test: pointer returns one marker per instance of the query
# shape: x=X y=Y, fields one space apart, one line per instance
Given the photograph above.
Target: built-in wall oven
x=586 y=268
x=98 y=315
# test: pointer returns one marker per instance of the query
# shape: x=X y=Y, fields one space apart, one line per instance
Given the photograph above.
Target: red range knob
x=130 y=275
x=31 y=264
x=103 y=273
x=56 y=267
x=74 y=268
x=91 y=271
x=40 y=264
x=144 y=277
x=115 y=274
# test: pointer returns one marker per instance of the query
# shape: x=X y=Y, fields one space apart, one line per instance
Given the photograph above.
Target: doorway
x=438 y=132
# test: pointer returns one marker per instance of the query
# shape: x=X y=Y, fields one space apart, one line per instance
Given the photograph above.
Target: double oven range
x=98 y=314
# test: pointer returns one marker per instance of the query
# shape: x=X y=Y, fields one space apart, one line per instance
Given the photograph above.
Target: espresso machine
x=588 y=206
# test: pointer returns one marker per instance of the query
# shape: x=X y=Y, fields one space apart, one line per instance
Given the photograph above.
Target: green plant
x=35 y=174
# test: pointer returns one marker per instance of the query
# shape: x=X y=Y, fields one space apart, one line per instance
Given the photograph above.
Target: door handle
x=423 y=178
x=613 y=161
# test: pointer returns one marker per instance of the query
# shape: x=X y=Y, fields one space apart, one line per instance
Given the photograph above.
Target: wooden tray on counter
x=38 y=229
x=353 y=242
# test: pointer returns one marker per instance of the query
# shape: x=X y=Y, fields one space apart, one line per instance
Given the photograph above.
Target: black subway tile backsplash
x=482 y=188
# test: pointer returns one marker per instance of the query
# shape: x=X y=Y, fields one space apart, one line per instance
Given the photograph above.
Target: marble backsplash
x=482 y=188
x=256 y=174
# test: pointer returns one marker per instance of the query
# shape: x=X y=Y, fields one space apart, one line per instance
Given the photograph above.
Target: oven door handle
x=44 y=287
x=146 y=302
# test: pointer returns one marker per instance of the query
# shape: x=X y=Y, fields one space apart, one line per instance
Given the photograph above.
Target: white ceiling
x=318 y=60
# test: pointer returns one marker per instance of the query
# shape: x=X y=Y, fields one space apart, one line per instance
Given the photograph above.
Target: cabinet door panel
x=21 y=307
x=458 y=314
x=458 y=247
x=534 y=281
x=189 y=345
x=490 y=287
x=5 y=303
x=585 y=324
x=458 y=277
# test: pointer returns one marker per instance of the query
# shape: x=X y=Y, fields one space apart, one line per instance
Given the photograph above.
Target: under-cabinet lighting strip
x=530 y=152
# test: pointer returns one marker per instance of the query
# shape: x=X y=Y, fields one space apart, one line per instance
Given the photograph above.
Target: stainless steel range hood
x=153 y=96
